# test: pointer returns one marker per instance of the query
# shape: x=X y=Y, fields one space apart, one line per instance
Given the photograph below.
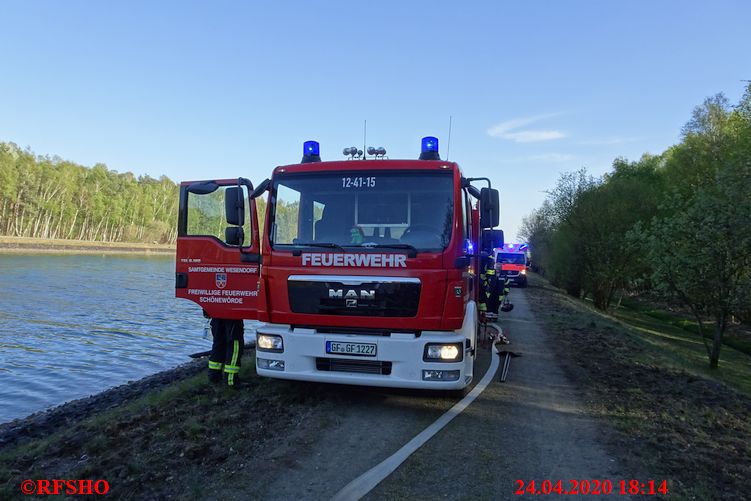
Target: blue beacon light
x=430 y=143
x=429 y=149
x=311 y=152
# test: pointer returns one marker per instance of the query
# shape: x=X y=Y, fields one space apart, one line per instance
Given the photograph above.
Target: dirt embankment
x=694 y=432
x=58 y=246
x=174 y=436
x=45 y=423
x=169 y=436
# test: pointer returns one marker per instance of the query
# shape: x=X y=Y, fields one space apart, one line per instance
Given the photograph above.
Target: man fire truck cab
x=364 y=271
x=511 y=260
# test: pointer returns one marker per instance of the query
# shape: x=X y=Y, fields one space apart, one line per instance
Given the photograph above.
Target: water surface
x=75 y=325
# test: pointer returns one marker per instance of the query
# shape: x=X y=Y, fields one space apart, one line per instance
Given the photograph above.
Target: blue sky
x=221 y=89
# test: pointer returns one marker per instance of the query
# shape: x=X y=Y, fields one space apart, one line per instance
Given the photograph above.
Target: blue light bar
x=429 y=149
x=311 y=148
x=311 y=152
x=429 y=143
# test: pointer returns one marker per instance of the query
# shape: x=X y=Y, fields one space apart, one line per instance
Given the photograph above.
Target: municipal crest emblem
x=221 y=280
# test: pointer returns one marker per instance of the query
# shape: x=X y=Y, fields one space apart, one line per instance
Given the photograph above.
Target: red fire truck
x=364 y=271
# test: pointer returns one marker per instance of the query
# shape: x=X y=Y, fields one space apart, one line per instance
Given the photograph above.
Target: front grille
x=379 y=297
x=358 y=331
x=346 y=365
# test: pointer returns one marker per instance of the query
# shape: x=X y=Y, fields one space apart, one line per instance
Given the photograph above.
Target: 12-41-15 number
x=358 y=182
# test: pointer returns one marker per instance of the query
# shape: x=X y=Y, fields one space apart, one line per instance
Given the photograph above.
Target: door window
x=206 y=216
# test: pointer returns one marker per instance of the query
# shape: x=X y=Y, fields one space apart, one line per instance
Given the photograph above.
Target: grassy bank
x=672 y=418
x=24 y=245
x=182 y=438
x=737 y=337
x=186 y=439
x=668 y=343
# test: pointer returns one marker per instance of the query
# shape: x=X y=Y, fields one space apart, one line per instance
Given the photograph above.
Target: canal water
x=75 y=325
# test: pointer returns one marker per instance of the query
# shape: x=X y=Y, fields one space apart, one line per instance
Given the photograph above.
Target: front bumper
x=516 y=278
x=398 y=362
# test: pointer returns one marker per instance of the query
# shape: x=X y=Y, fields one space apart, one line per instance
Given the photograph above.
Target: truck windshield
x=363 y=209
x=507 y=258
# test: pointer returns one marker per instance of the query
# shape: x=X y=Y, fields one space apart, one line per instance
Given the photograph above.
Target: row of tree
x=47 y=197
x=676 y=225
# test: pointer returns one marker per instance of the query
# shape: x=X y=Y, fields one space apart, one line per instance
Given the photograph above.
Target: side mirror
x=492 y=239
x=234 y=235
x=490 y=205
x=260 y=189
x=234 y=206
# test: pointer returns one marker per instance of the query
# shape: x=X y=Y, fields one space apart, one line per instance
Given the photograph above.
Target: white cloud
x=509 y=130
x=532 y=136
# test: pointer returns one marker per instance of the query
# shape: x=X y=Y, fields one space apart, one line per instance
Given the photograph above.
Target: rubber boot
x=215 y=377
x=215 y=372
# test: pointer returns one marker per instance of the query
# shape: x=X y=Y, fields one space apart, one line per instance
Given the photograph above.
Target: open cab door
x=218 y=250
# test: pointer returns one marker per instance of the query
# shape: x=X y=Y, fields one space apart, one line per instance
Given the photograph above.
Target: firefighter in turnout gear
x=226 y=351
x=504 y=287
x=494 y=289
x=485 y=265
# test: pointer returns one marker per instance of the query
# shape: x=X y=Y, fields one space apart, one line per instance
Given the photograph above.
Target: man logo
x=221 y=280
x=351 y=294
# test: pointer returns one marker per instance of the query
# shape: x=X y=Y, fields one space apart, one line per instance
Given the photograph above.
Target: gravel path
x=531 y=427
x=350 y=439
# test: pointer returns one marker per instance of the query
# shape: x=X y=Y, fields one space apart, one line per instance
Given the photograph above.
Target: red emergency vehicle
x=364 y=271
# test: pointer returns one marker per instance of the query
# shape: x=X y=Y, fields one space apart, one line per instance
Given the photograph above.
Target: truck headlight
x=269 y=342
x=523 y=272
x=436 y=352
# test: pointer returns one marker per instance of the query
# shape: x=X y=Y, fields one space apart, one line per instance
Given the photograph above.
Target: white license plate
x=356 y=349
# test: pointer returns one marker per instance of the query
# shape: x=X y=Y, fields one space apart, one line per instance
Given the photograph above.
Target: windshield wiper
x=411 y=248
x=320 y=245
x=326 y=245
